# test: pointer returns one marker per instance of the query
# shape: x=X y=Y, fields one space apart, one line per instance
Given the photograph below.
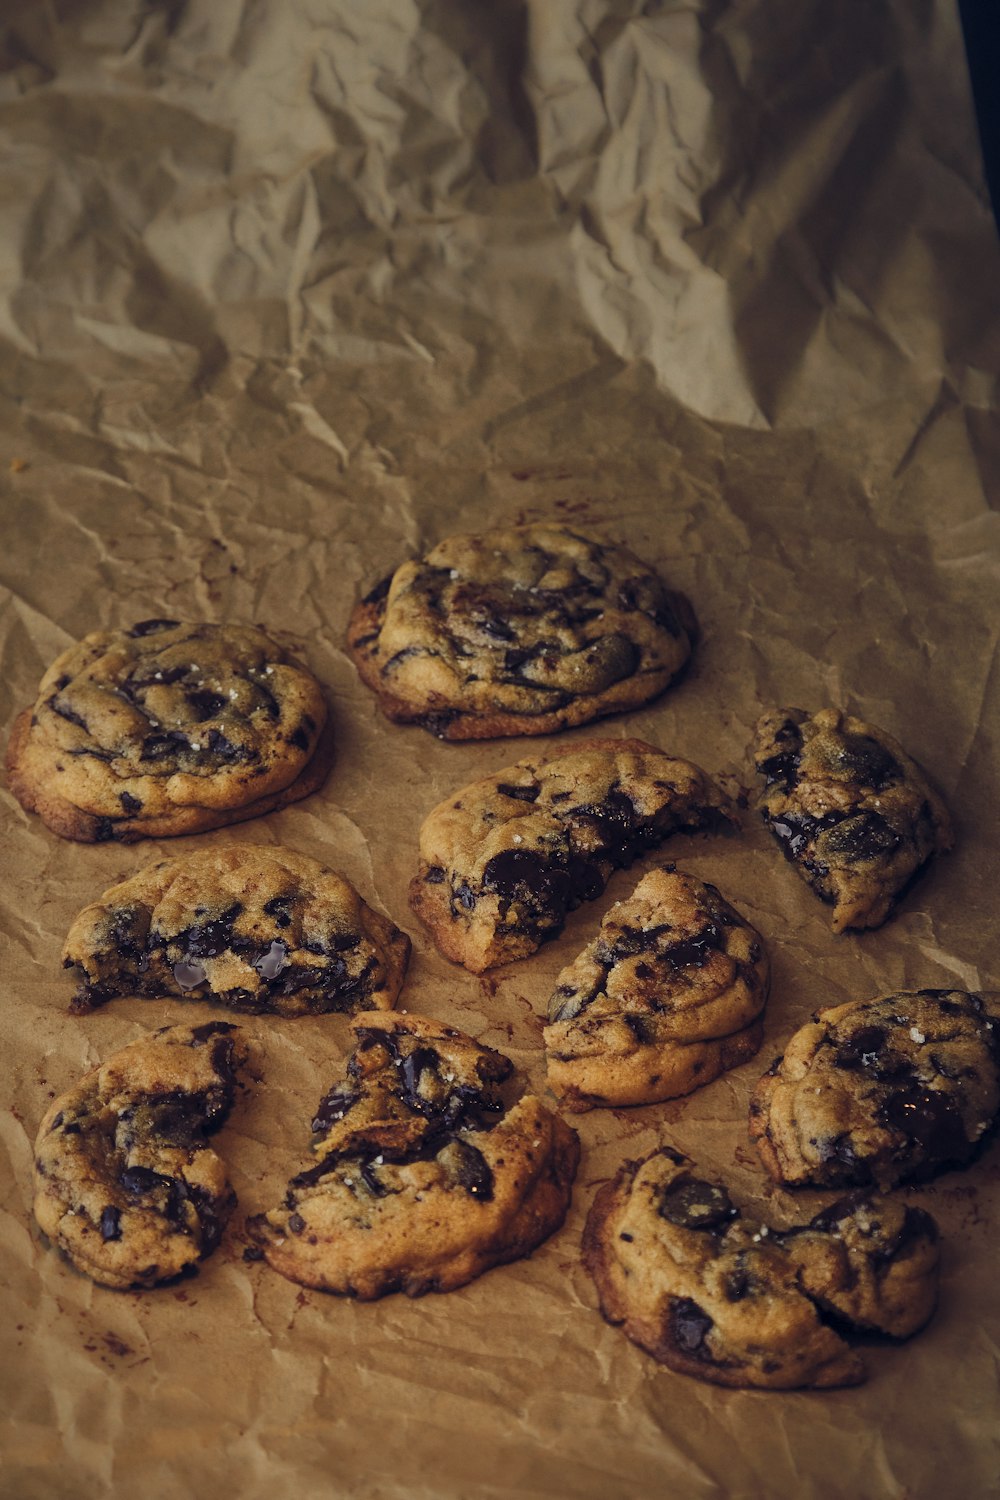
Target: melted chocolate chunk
x=213 y=1215
x=150 y=627
x=188 y=975
x=473 y=1170
x=70 y=714
x=159 y=746
x=519 y=793
x=439 y=722
x=547 y=889
x=861 y=1048
x=695 y=951
x=865 y=836
x=435 y=875
x=279 y=907
x=224 y=749
x=697 y=1205
x=299 y=737
x=782 y=768
x=828 y=1218
x=271 y=963
x=111 y=1223
x=205 y=703
x=130 y=804
x=209 y=939
x=930 y=1118
x=689 y=1326
x=795 y=833
x=865 y=761
x=209 y=1030
x=639 y=1027
x=737 y=1284
x=333 y=1107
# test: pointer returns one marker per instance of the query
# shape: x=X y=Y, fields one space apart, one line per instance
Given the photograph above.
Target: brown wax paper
x=291 y=292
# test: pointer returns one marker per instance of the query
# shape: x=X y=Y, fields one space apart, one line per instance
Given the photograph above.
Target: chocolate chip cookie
x=856 y=816
x=167 y=729
x=523 y=630
x=882 y=1091
x=124 y=1181
x=422 y=1180
x=503 y=861
x=256 y=928
x=666 y=998
x=712 y=1294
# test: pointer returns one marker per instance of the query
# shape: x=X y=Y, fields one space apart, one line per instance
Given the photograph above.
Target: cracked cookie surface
x=504 y=860
x=254 y=927
x=881 y=1091
x=855 y=815
x=422 y=1180
x=168 y=728
x=667 y=997
x=125 y=1183
x=519 y=631
x=712 y=1294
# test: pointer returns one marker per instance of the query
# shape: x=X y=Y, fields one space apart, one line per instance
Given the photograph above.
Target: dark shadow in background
x=981 y=28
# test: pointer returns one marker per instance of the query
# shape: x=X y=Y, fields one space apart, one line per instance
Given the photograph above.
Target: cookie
x=422 y=1180
x=256 y=928
x=666 y=998
x=881 y=1091
x=523 y=630
x=124 y=1181
x=503 y=861
x=167 y=729
x=855 y=815
x=711 y=1294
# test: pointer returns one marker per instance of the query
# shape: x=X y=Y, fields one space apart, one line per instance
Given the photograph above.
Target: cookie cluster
x=426 y=1168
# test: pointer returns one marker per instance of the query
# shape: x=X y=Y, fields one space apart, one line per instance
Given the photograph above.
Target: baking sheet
x=289 y=294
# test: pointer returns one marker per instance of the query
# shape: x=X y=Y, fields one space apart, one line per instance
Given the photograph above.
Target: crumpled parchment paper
x=291 y=292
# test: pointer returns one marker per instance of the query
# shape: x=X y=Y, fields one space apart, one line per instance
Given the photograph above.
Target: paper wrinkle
x=292 y=295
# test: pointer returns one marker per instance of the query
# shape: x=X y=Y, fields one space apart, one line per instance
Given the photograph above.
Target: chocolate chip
x=435 y=875
x=130 y=804
x=299 y=737
x=296 y=1223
